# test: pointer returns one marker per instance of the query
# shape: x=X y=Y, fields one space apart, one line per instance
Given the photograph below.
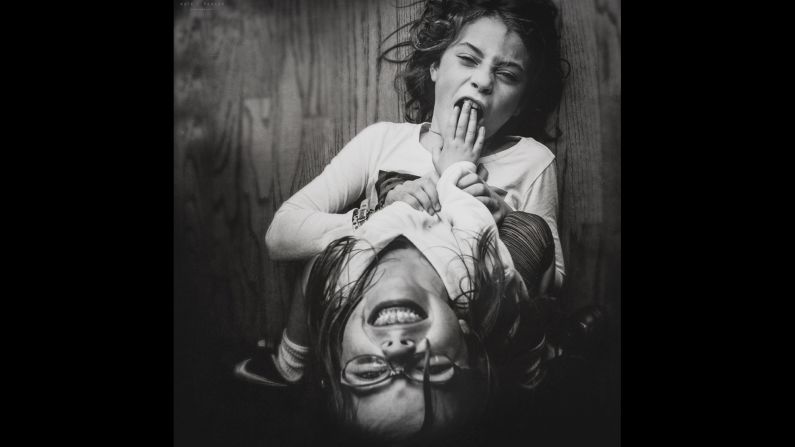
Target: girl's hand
x=464 y=139
x=420 y=194
x=475 y=185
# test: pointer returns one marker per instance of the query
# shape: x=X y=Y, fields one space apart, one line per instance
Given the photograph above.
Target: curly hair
x=536 y=23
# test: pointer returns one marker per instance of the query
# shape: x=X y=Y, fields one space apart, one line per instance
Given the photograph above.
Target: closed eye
x=436 y=365
x=508 y=75
x=368 y=375
x=467 y=60
x=367 y=369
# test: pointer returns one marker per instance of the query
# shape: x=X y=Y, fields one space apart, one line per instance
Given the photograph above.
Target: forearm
x=306 y=222
x=300 y=233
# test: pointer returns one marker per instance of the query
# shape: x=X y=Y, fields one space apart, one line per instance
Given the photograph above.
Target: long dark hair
x=489 y=307
x=535 y=21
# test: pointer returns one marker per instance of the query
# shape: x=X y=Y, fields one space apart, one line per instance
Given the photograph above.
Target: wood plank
x=579 y=155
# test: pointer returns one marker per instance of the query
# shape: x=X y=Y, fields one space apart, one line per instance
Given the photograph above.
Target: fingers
x=426 y=204
x=472 y=127
x=477 y=190
x=463 y=140
x=411 y=200
x=467 y=180
x=488 y=201
x=483 y=172
x=463 y=121
x=478 y=146
x=417 y=198
x=430 y=190
x=420 y=194
x=451 y=122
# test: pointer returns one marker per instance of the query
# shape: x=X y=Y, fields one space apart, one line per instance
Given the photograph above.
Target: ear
x=434 y=69
x=464 y=326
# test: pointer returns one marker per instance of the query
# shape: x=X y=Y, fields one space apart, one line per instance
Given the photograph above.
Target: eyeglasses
x=367 y=370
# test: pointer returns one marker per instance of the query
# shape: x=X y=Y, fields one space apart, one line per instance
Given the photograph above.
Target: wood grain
x=266 y=93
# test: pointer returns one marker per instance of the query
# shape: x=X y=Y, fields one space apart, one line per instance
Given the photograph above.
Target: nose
x=482 y=80
x=397 y=346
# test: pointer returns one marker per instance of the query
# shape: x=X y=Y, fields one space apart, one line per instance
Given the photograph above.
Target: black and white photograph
x=397 y=223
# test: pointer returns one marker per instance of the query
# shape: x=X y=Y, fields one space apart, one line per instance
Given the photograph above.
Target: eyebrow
x=501 y=63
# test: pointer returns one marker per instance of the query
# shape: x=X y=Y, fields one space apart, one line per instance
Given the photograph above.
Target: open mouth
x=476 y=106
x=396 y=312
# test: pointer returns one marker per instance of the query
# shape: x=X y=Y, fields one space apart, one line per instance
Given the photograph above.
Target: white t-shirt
x=448 y=239
x=305 y=223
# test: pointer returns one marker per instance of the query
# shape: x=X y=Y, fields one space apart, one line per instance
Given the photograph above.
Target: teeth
x=396 y=315
x=471 y=103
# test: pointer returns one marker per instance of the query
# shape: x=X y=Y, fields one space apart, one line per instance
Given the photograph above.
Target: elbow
x=274 y=243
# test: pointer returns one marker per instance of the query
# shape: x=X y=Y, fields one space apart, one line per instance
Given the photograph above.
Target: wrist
x=457 y=169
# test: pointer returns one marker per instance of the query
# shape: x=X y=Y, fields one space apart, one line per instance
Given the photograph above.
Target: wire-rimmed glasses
x=369 y=370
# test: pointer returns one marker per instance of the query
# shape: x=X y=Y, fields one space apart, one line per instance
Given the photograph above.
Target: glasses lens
x=365 y=370
x=440 y=368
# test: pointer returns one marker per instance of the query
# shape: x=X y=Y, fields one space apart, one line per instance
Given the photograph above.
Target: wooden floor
x=266 y=93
